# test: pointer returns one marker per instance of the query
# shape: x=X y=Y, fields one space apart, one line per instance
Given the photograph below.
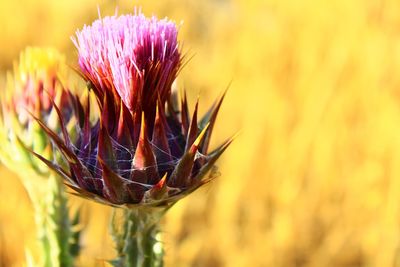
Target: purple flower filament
x=131 y=53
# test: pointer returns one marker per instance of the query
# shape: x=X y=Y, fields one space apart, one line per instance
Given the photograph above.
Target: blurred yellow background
x=314 y=177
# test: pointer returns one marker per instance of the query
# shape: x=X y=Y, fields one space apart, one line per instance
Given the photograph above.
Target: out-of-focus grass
x=314 y=177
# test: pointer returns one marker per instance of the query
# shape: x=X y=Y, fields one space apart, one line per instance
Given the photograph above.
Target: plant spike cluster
x=141 y=151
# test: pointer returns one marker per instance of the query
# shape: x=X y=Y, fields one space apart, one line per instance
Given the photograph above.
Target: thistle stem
x=138 y=239
x=59 y=244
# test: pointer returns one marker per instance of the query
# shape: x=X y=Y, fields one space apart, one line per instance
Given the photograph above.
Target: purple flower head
x=143 y=150
x=137 y=56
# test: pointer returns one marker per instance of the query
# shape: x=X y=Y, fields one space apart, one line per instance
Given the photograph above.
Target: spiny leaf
x=180 y=177
x=185 y=115
x=105 y=149
x=193 y=128
x=86 y=123
x=213 y=158
x=115 y=188
x=159 y=139
x=71 y=157
x=159 y=190
x=62 y=124
x=144 y=164
x=210 y=117
x=80 y=171
x=125 y=127
x=58 y=169
x=78 y=108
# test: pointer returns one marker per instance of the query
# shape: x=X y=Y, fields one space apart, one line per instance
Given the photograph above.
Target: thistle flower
x=142 y=151
x=31 y=91
x=32 y=88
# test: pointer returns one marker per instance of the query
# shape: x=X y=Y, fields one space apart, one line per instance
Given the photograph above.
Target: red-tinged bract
x=142 y=150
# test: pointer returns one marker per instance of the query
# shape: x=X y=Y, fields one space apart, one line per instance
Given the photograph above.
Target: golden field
x=313 y=178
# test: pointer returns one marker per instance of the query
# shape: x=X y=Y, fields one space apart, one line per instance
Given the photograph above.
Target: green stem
x=58 y=241
x=137 y=241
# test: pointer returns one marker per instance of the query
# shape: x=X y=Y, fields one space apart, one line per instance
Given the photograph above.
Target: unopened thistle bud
x=30 y=92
